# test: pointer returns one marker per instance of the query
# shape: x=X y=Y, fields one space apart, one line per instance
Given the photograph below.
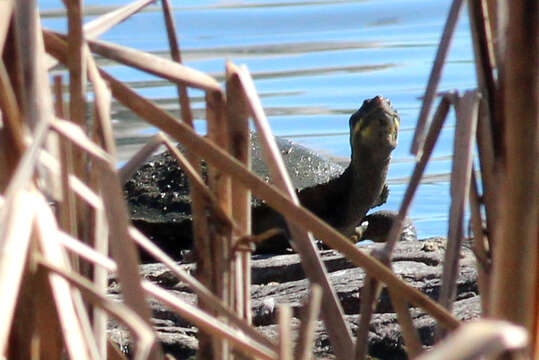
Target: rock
x=280 y=279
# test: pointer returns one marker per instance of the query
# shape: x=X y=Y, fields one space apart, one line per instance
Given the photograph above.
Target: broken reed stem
x=466 y=111
x=58 y=96
x=93 y=29
x=15 y=233
x=102 y=127
x=11 y=117
x=101 y=244
x=369 y=295
x=480 y=246
x=490 y=175
x=332 y=312
x=12 y=144
x=102 y=133
x=221 y=237
x=195 y=180
x=434 y=78
x=66 y=208
x=155 y=65
x=238 y=127
x=131 y=166
x=76 y=63
x=409 y=332
x=76 y=185
x=309 y=318
x=76 y=343
x=485 y=63
x=480 y=339
x=285 y=332
x=122 y=248
x=210 y=324
x=136 y=325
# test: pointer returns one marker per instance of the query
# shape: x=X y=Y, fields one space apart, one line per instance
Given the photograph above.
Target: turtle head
x=374 y=128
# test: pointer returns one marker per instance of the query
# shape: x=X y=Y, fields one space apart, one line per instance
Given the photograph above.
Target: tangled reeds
x=62 y=211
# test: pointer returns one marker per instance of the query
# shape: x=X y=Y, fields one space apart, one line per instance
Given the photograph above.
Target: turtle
x=159 y=201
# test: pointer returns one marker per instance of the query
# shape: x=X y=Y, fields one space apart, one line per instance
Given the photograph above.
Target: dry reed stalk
x=220 y=237
x=221 y=186
x=412 y=341
x=6 y=12
x=480 y=246
x=371 y=290
x=76 y=63
x=26 y=166
x=485 y=63
x=11 y=135
x=275 y=198
x=238 y=127
x=66 y=208
x=285 y=332
x=210 y=324
x=309 y=318
x=11 y=117
x=76 y=343
x=35 y=97
x=154 y=65
x=222 y=218
x=90 y=254
x=478 y=340
x=332 y=312
x=75 y=134
x=122 y=248
x=76 y=185
x=102 y=127
x=369 y=295
x=93 y=29
x=101 y=244
x=434 y=78
x=466 y=111
x=490 y=174
x=142 y=331
x=15 y=231
x=131 y=166
x=515 y=262
x=490 y=110
x=47 y=322
x=102 y=133
x=58 y=96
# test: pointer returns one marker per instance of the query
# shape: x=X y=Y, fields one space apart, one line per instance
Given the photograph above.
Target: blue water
x=313 y=63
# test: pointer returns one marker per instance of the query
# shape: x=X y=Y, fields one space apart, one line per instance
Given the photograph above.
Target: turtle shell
x=158 y=192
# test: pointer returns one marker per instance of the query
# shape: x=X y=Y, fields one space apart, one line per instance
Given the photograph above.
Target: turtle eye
x=397 y=122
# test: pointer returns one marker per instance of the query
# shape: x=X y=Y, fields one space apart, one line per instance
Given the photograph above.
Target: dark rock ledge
x=280 y=279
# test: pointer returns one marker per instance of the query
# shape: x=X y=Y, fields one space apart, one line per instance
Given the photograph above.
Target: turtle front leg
x=376 y=227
